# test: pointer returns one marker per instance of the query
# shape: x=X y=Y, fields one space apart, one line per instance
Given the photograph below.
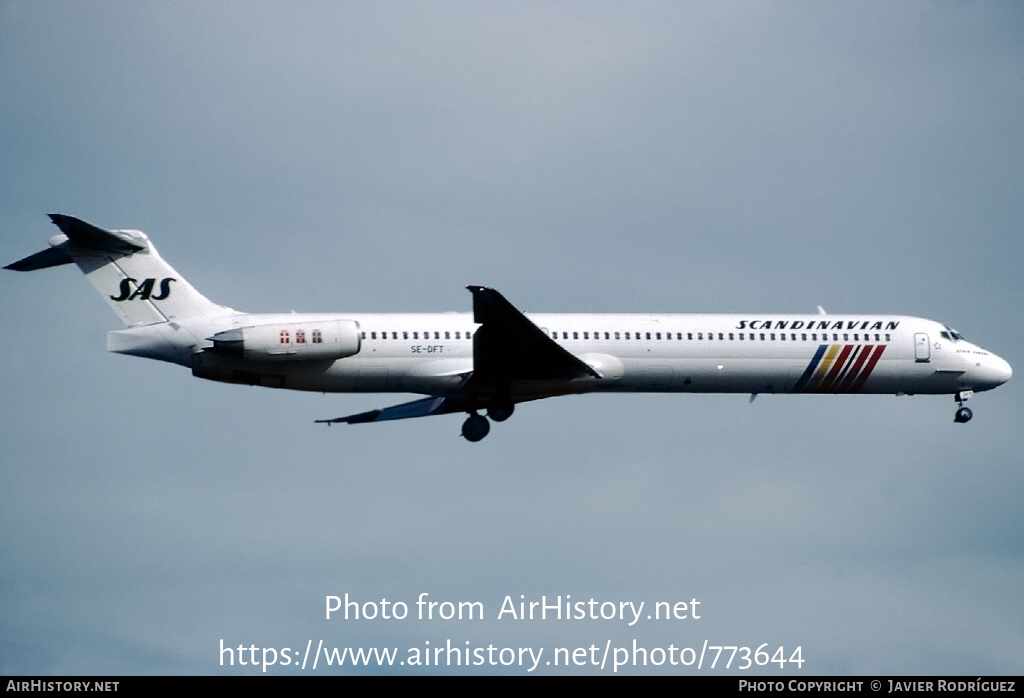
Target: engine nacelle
x=315 y=340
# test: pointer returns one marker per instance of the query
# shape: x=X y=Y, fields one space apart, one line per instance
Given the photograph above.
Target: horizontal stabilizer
x=82 y=235
x=87 y=235
x=50 y=257
x=407 y=410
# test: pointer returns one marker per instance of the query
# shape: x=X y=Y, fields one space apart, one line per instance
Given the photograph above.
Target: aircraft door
x=922 y=350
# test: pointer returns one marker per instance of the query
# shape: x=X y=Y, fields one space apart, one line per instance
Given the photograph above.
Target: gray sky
x=663 y=157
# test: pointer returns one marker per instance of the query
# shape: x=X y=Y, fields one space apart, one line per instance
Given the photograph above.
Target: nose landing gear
x=963 y=414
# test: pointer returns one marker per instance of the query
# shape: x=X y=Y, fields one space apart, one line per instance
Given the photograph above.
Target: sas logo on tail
x=143 y=291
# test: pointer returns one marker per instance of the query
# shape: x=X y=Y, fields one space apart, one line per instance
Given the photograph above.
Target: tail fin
x=140 y=287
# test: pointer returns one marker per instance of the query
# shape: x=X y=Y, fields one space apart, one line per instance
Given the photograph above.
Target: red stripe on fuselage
x=854 y=374
x=859 y=383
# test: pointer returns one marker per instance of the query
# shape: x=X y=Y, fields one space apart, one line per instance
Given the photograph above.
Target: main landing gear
x=477 y=427
x=963 y=414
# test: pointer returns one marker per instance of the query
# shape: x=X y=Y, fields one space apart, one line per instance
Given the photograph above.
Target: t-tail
x=140 y=287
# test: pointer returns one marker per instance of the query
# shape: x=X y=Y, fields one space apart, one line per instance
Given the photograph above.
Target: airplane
x=496 y=357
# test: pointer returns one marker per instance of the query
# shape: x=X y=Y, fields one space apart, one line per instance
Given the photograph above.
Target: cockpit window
x=951 y=334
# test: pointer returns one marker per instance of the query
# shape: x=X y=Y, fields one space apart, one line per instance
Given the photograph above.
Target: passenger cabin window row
x=728 y=336
x=651 y=336
x=392 y=334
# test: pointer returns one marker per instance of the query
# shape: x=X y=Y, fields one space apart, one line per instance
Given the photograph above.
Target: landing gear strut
x=475 y=427
x=963 y=414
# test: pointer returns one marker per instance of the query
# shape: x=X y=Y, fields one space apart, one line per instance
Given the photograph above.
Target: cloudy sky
x=626 y=157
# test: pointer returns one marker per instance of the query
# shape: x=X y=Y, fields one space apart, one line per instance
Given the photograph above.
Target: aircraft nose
x=1001 y=370
x=993 y=371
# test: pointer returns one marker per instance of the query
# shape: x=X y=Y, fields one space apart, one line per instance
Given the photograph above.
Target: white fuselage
x=432 y=354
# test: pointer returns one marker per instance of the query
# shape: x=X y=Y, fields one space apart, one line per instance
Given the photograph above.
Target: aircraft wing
x=508 y=347
x=417 y=408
